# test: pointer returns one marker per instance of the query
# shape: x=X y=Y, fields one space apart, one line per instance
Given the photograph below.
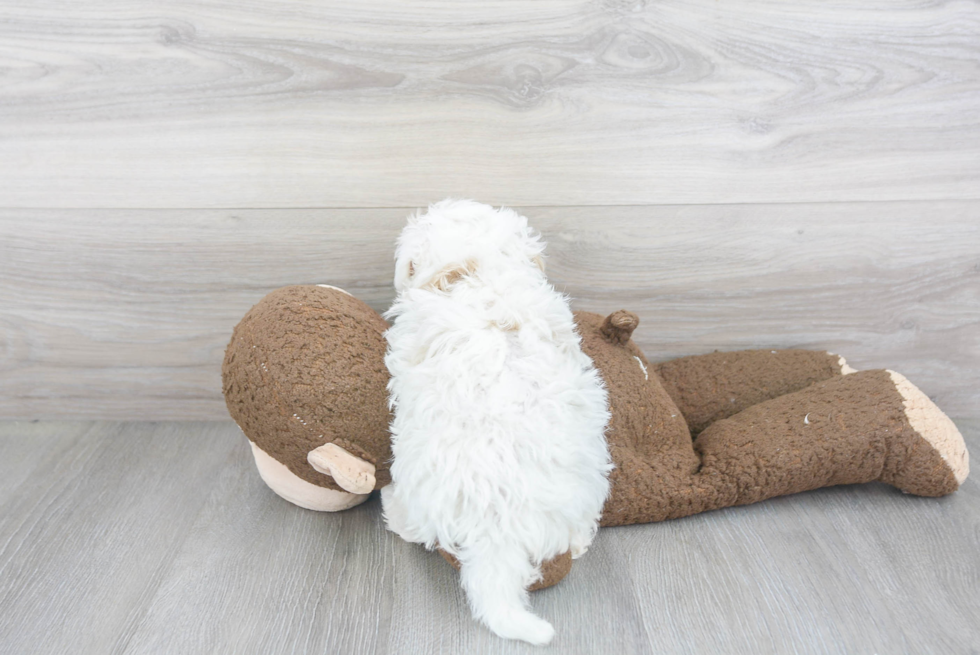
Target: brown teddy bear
x=304 y=377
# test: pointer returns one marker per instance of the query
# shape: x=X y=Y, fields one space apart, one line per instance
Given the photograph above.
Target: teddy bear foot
x=297 y=490
x=934 y=461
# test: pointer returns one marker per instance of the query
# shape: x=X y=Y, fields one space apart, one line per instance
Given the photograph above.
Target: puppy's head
x=461 y=239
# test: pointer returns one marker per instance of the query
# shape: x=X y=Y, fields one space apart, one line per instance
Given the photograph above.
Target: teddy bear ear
x=350 y=472
x=619 y=326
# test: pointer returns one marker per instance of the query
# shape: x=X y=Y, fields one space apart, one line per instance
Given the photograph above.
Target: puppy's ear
x=451 y=275
x=404 y=272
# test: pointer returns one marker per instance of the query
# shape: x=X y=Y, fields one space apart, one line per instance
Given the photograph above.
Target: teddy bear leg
x=913 y=467
x=868 y=426
x=647 y=490
x=708 y=388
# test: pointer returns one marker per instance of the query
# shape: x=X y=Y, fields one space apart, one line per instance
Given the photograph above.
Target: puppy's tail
x=495 y=578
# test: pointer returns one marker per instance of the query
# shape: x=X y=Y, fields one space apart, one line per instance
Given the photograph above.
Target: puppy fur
x=499 y=417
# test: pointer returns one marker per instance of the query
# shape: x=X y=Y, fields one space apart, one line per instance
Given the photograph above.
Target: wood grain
x=290 y=103
x=87 y=536
x=281 y=578
x=704 y=164
x=148 y=538
x=126 y=313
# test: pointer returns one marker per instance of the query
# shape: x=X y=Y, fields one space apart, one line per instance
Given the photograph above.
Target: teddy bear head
x=304 y=377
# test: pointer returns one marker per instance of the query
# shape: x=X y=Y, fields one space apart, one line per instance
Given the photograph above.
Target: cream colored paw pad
x=934 y=426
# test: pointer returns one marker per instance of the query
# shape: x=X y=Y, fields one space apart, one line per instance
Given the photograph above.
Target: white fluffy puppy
x=497 y=436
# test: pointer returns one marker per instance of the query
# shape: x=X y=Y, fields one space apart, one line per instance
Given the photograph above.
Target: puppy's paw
x=580 y=543
x=394 y=514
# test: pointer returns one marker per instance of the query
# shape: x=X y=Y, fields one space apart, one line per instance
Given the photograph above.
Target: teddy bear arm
x=708 y=388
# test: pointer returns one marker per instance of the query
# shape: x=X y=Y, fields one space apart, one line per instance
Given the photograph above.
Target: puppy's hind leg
x=495 y=578
x=581 y=540
x=395 y=515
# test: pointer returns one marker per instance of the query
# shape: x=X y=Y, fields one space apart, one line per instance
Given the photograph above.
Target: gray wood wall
x=741 y=174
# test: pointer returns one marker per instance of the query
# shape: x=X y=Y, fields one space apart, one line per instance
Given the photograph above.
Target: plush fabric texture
x=795 y=424
x=844 y=430
x=708 y=388
x=808 y=427
x=656 y=460
x=305 y=367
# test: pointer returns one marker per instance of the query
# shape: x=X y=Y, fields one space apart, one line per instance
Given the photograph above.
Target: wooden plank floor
x=161 y=538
